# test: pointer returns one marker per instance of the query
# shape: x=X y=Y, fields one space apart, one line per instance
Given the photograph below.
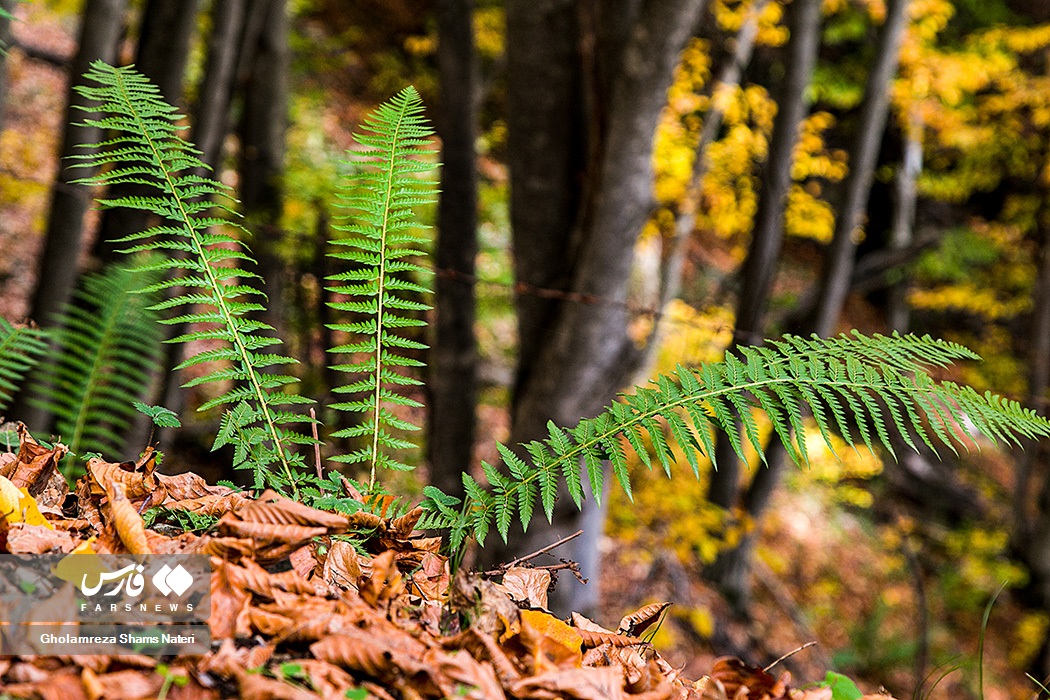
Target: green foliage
x=862 y=387
x=382 y=240
x=216 y=297
x=842 y=688
x=161 y=417
x=106 y=340
x=19 y=351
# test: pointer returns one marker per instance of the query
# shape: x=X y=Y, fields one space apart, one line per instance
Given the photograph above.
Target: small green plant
x=20 y=349
x=106 y=339
x=862 y=387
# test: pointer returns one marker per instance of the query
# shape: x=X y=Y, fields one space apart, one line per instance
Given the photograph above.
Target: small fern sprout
x=380 y=244
x=214 y=294
x=20 y=349
x=862 y=387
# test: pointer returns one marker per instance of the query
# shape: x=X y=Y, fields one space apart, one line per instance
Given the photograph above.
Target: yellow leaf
x=81 y=562
x=30 y=511
x=546 y=625
x=10 y=497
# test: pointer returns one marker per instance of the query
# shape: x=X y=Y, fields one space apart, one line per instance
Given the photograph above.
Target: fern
x=214 y=296
x=862 y=387
x=382 y=239
x=106 y=340
x=19 y=351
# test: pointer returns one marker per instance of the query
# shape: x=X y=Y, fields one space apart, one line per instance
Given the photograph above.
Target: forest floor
x=831 y=567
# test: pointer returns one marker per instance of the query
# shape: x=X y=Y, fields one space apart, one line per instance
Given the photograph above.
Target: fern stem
x=220 y=299
x=90 y=383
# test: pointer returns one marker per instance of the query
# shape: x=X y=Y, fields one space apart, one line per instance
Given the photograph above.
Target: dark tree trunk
x=768 y=233
x=863 y=158
x=164 y=46
x=584 y=354
x=546 y=156
x=261 y=167
x=453 y=358
x=5 y=42
x=101 y=27
x=210 y=125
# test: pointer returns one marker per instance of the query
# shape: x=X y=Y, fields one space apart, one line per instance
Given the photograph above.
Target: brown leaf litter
x=304 y=606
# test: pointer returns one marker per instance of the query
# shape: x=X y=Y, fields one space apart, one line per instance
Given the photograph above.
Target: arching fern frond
x=106 y=340
x=864 y=387
x=381 y=242
x=20 y=348
x=211 y=292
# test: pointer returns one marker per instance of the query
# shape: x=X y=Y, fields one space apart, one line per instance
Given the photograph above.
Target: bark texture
x=577 y=214
x=5 y=43
x=453 y=358
x=768 y=234
x=101 y=26
x=266 y=58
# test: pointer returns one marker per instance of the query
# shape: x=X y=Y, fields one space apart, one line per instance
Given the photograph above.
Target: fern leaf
x=106 y=340
x=145 y=148
x=883 y=381
x=20 y=348
x=379 y=244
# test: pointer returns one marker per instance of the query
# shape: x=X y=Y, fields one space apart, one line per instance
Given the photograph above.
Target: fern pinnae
x=105 y=340
x=148 y=151
x=792 y=375
x=20 y=350
x=380 y=244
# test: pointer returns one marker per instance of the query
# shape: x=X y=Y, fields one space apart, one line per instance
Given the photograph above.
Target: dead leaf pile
x=310 y=604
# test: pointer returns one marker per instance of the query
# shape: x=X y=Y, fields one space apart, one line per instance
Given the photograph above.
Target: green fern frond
x=211 y=293
x=20 y=349
x=106 y=340
x=863 y=387
x=381 y=242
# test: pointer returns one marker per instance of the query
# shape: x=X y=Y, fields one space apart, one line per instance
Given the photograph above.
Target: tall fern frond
x=212 y=294
x=106 y=340
x=862 y=387
x=20 y=349
x=381 y=242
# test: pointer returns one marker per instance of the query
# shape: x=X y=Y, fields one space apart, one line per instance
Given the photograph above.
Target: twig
x=788 y=655
x=538 y=552
x=317 y=444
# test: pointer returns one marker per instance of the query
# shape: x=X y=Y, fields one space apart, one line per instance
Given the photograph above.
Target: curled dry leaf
x=384 y=583
x=637 y=622
x=23 y=538
x=229 y=603
x=580 y=683
x=137 y=478
x=343 y=566
x=126 y=520
x=35 y=463
x=252 y=686
x=271 y=508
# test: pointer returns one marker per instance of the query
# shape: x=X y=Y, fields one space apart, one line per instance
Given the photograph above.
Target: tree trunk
x=728 y=80
x=584 y=355
x=730 y=573
x=453 y=358
x=210 y=126
x=903 y=233
x=261 y=167
x=1032 y=532
x=8 y=6
x=768 y=233
x=863 y=158
x=164 y=46
x=101 y=28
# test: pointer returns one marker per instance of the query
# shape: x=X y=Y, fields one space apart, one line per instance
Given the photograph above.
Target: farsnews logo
x=167 y=580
